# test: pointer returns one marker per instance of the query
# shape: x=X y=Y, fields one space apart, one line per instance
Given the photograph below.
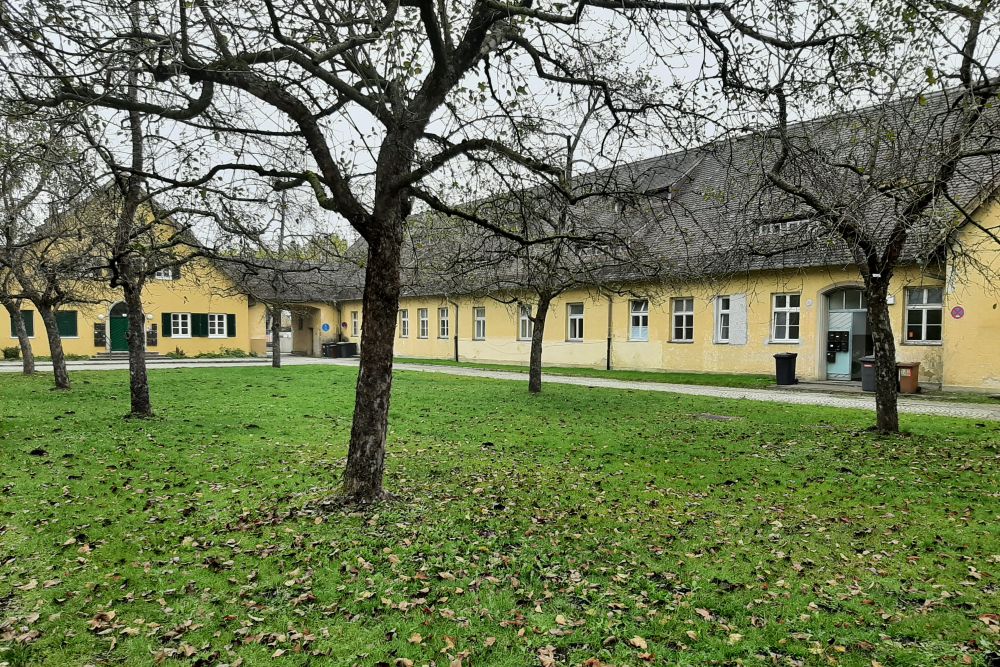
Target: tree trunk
x=59 y=370
x=537 y=335
x=142 y=407
x=27 y=356
x=886 y=375
x=275 y=336
x=366 y=455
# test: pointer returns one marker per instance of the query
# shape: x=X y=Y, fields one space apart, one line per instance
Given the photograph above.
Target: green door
x=119 y=327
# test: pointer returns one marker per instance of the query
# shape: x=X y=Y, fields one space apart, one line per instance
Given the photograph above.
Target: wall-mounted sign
x=325 y=327
x=958 y=312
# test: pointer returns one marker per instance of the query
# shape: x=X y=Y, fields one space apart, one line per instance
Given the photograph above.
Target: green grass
x=567 y=524
x=711 y=379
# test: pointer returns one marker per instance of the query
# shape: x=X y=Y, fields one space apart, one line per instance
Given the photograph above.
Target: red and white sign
x=958 y=312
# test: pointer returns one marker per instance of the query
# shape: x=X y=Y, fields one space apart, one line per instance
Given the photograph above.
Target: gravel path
x=861 y=402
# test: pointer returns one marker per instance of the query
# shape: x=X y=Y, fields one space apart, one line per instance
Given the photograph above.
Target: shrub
x=12 y=353
x=178 y=353
x=224 y=353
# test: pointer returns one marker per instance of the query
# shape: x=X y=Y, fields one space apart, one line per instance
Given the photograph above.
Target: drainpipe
x=611 y=298
x=456 y=328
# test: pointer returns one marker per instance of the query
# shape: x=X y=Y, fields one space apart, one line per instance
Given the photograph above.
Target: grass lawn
x=711 y=379
x=580 y=526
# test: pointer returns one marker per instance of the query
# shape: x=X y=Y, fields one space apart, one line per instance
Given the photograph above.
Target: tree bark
x=59 y=370
x=275 y=312
x=366 y=455
x=27 y=356
x=537 y=336
x=141 y=406
x=886 y=375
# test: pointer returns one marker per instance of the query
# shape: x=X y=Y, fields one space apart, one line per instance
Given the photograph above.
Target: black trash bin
x=868 y=373
x=328 y=349
x=347 y=350
x=784 y=367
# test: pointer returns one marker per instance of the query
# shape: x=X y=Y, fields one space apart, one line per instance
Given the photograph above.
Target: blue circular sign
x=325 y=327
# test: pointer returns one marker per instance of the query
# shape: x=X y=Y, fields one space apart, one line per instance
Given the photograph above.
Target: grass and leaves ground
x=581 y=526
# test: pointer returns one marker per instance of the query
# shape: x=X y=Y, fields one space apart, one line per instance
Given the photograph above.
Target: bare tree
x=387 y=101
x=897 y=166
x=12 y=301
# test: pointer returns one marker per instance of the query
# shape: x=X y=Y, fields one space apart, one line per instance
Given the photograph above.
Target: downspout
x=454 y=303
x=611 y=298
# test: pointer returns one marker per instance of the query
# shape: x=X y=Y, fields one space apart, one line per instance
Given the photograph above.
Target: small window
x=354 y=323
x=423 y=323
x=722 y=312
x=575 y=312
x=164 y=274
x=683 y=319
x=443 y=322
x=404 y=323
x=28 y=317
x=180 y=325
x=785 y=318
x=66 y=323
x=638 y=319
x=479 y=319
x=924 y=314
x=525 y=327
x=216 y=325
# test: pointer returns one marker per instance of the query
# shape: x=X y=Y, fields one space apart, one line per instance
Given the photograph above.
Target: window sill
x=637 y=340
x=478 y=339
x=184 y=337
x=681 y=342
x=784 y=342
x=923 y=343
x=216 y=336
x=721 y=342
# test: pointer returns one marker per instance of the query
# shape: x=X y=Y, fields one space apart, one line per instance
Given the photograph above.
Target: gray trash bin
x=868 y=373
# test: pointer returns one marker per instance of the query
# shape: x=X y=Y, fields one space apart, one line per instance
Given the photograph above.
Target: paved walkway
x=984 y=412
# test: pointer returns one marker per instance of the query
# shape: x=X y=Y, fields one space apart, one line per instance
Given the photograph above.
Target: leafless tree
x=909 y=142
x=11 y=299
x=385 y=101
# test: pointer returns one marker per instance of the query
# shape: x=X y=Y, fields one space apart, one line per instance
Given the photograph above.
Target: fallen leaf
x=638 y=642
x=415 y=638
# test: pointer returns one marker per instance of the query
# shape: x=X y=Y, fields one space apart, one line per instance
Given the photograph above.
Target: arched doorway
x=847 y=337
x=118 y=327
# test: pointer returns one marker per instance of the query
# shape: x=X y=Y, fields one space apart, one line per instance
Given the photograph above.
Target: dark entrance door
x=119 y=328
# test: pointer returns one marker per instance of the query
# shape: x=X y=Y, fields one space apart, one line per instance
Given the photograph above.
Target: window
x=525 y=327
x=639 y=319
x=66 y=323
x=354 y=323
x=404 y=323
x=442 y=322
x=180 y=325
x=28 y=317
x=575 y=321
x=785 y=318
x=423 y=323
x=164 y=274
x=683 y=319
x=479 y=319
x=216 y=325
x=924 y=313
x=722 y=312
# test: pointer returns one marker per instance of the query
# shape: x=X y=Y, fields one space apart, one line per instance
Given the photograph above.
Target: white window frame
x=444 y=324
x=214 y=320
x=723 y=318
x=354 y=324
x=525 y=327
x=479 y=322
x=682 y=311
x=180 y=325
x=786 y=309
x=423 y=323
x=574 y=328
x=922 y=308
x=404 y=323
x=164 y=274
x=638 y=329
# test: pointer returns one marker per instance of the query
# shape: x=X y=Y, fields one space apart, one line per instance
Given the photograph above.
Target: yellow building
x=192 y=309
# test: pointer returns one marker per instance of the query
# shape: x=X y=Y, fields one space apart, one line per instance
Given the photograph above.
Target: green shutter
x=28 y=317
x=167 y=329
x=199 y=325
x=175 y=273
x=231 y=325
x=66 y=323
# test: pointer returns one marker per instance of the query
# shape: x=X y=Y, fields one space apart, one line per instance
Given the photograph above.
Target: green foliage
x=578 y=524
x=178 y=353
x=12 y=352
x=224 y=353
